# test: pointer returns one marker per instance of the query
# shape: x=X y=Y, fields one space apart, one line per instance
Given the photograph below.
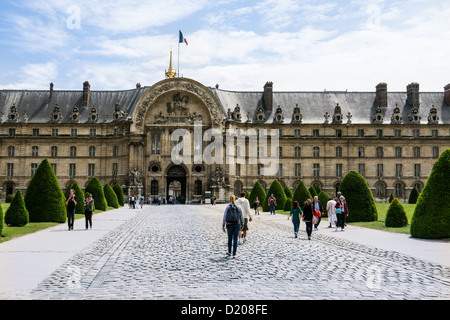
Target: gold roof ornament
x=171 y=73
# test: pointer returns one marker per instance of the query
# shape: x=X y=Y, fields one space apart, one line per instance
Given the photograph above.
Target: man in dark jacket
x=317 y=206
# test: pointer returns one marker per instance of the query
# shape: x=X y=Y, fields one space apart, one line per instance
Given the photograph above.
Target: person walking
x=307 y=216
x=256 y=205
x=233 y=220
x=318 y=206
x=272 y=202
x=245 y=206
x=88 y=209
x=295 y=214
x=71 y=203
x=331 y=211
x=341 y=212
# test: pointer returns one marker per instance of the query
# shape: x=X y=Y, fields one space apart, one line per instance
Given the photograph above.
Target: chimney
x=413 y=94
x=51 y=90
x=86 y=93
x=138 y=85
x=268 y=96
x=447 y=94
x=382 y=94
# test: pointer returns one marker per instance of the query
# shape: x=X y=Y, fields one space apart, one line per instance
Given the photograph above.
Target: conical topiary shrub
x=95 y=187
x=80 y=198
x=431 y=218
x=301 y=194
x=9 y=198
x=44 y=198
x=288 y=205
x=358 y=197
x=413 y=196
x=277 y=190
x=247 y=194
x=288 y=192
x=119 y=193
x=324 y=198
x=17 y=214
x=110 y=196
x=318 y=189
x=312 y=191
x=396 y=215
x=391 y=197
x=1 y=220
x=257 y=191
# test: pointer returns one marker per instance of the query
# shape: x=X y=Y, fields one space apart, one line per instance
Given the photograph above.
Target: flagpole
x=178 y=59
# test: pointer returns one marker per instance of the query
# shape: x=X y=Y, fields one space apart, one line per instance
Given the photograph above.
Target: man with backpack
x=272 y=203
x=233 y=221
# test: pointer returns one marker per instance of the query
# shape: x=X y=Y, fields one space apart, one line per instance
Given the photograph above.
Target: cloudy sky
x=298 y=45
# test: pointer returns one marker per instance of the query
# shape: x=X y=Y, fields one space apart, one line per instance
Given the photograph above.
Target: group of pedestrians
x=71 y=203
x=237 y=215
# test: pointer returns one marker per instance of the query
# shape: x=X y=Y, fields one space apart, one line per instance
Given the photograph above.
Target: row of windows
x=54 y=151
x=72 y=169
x=338 y=170
x=55 y=132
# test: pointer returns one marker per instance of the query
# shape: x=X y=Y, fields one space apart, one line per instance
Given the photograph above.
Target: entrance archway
x=176 y=183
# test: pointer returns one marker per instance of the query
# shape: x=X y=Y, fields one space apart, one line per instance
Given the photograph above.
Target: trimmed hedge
x=324 y=198
x=396 y=215
x=247 y=194
x=431 y=218
x=312 y=191
x=277 y=190
x=288 y=192
x=413 y=196
x=1 y=220
x=80 y=198
x=288 y=204
x=257 y=191
x=17 y=214
x=44 y=198
x=9 y=198
x=359 y=198
x=119 y=193
x=110 y=196
x=301 y=194
x=391 y=198
x=318 y=189
x=95 y=187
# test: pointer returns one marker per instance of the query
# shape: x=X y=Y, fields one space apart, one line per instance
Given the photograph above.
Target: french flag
x=182 y=38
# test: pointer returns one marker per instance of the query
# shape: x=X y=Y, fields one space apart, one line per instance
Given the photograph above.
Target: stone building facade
x=391 y=138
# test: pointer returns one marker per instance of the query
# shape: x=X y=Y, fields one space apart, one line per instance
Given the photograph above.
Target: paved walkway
x=178 y=252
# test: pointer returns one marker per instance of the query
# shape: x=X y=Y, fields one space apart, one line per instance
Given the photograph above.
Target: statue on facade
x=135 y=177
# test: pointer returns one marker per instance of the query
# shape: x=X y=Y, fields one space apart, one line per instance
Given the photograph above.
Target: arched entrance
x=9 y=188
x=176 y=183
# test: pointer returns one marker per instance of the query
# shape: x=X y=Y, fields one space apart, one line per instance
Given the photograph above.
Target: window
x=417 y=170
x=115 y=151
x=54 y=166
x=73 y=151
x=35 y=132
x=316 y=152
x=416 y=152
x=10 y=169
x=72 y=169
x=238 y=151
x=35 y=151
x=381 y=190
x=338 y=152
x=115 y=169
x=379 y=170
x=298 y=169
x=54 y=132
x=361 y=152
x=362 y=169
x=297 y=133
x=198 y=187
x=379 y=133
x=116 y=132
x=91 y=170
x=93 y=133
x=73 y=132
x=260 y=169
x=238 y=169
x=398 y=190
x=34 y=167
x=398 y=170
x=398 y=152
x=338 y=133
x=315 y=133
x=360 y=133
x=280 y=170
x=154 y=186
x=91 y=151
x=12 y=132
x=416 y=133
x=54 y=151
x=316 y=170
x=435 y=152
x=156 y=143
x=434 y=133
x=11 y=151
x=418 y=186
x=338 y=169
x=297 y=152
x=397 y=133
x=380 y=152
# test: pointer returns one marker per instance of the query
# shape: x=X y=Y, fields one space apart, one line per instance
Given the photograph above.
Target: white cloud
x=35 y=76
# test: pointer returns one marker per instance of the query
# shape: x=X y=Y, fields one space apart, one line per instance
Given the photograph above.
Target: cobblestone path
x=179 y=252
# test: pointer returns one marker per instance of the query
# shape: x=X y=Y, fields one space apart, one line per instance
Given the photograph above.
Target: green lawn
x=379 y=225
x=9 y=233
